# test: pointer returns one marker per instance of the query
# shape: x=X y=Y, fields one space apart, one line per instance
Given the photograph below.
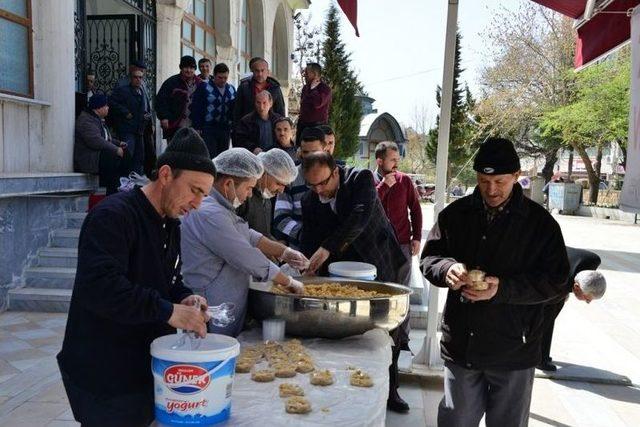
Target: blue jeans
x=135 y=147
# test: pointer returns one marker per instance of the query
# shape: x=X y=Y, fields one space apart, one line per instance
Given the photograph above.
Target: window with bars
x=245 y=37
x=198 y=32
x=16 y=53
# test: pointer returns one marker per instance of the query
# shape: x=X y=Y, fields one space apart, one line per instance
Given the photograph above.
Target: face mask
x=266 y=194
x=236 y=202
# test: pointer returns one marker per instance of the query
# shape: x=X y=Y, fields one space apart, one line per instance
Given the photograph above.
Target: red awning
x=602 y=33
x=571 y=8
x=350 y=9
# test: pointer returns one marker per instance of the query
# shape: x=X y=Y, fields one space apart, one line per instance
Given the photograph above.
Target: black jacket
x=360 y=231
x=125 y=100
x=247 y=132
x=245 y=98
x=172 y=101
x=524 y=248
x=122 y=297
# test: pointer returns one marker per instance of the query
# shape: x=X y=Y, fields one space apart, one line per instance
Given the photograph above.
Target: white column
x=430 y=352
x=168 y=33
x=54 y=82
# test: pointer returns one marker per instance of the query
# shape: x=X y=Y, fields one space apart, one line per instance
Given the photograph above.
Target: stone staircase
x=48 y=278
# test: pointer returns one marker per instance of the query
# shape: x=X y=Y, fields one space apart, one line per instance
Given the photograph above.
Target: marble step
x=50 y=277
x=39 y=299
x=74 y=219
x=57 y=257
x=65 y=238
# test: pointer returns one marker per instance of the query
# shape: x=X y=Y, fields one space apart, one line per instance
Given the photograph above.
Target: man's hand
x=457 y=276
x=119 y=151
x=390 y=179
x=189 y=318
x=487 y=294
x=129 y=116
x=257 y=151
x=295 y=286
x=415 y=247
x=295 y=259
x=317 y=259
x=123 y=144
x=165 y=124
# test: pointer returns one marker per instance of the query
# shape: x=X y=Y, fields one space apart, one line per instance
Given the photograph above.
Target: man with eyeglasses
x=343 y=220
x=130 y=113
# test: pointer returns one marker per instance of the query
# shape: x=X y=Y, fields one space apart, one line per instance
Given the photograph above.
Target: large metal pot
x=334 y=317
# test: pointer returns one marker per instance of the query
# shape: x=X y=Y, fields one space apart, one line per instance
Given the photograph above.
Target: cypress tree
x=346 y=111
x=461 y=130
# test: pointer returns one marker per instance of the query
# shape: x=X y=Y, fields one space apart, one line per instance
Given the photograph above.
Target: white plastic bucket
x=193 y=387
x=353 y=270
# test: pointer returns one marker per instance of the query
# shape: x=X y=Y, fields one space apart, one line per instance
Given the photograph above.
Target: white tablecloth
x=340 y=404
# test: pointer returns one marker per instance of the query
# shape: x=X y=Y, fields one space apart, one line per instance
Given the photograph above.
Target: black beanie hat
x=187 y=151
x=188 y=61
x=496 y=156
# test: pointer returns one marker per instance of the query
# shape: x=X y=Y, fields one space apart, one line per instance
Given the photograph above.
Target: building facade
x=46 y=48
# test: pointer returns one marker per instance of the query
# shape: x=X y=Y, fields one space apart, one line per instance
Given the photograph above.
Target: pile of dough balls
x=285 y=360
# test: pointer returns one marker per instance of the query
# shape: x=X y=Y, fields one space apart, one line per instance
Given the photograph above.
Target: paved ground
x=600 y=342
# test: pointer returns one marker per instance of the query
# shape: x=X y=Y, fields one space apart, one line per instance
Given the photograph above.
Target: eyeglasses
x=321 y=183
x=136 y=77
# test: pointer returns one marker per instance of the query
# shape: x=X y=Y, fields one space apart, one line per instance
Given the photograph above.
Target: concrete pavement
x=597 y=343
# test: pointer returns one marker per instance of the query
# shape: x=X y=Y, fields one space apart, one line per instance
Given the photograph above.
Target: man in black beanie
x=174 y=98
x=492 y=324
x=128 y=289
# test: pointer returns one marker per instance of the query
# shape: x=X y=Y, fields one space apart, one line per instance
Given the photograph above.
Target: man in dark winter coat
x=492 y=328
x=174 y=98
x=251 y=86
x=130 y=111
x=256 y=130
x=94 y=150
x=128 y=289
x=343 y=220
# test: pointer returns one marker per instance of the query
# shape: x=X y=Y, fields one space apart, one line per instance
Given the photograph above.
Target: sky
x=399 y=54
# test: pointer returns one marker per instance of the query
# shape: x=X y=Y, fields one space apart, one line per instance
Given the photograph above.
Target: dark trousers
x=111 y=167
x=400 y=337
x=126 y=410
x=551 y=312
x=505 y=397
x=135 y=147
x=216 y=139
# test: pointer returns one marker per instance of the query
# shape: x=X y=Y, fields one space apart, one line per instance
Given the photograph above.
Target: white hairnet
x=279 y=165
x=238 y=162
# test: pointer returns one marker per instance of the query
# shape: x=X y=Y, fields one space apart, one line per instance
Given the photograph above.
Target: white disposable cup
x=273 y=329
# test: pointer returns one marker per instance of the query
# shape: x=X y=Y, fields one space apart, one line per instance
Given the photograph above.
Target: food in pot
x=333 y=290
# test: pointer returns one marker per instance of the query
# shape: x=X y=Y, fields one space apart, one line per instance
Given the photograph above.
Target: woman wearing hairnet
x=220 y=253
x=279 y=171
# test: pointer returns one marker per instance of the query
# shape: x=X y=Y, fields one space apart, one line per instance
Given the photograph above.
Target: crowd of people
x=212 y=217
x=251 y=116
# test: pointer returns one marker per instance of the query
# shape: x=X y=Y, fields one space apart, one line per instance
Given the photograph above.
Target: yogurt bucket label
x=193 y=387
x=186 y=394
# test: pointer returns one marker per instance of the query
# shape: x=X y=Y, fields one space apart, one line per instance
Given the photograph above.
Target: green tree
x=530 y=71
x=598 y=116
x=461 y=133
x=346 y=111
